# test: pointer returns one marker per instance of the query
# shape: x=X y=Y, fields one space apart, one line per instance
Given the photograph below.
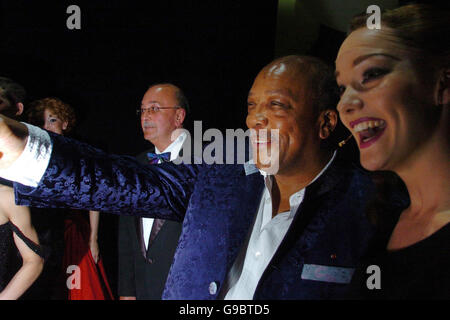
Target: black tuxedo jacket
x=143 y=273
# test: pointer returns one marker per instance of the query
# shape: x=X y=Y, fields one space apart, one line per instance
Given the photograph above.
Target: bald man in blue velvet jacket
x=296 y=234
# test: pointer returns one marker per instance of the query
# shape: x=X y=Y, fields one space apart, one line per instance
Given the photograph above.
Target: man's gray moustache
x=148 y=125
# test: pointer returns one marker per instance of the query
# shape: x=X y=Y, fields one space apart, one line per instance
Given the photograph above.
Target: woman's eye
x=373 y=73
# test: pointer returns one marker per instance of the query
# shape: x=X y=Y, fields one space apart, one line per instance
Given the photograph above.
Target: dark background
x=211 y=49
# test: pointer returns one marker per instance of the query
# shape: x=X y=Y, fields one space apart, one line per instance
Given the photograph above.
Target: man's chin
x=149 y=136
x=269 y=167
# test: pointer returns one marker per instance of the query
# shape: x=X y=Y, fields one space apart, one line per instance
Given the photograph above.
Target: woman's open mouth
x=368 y=130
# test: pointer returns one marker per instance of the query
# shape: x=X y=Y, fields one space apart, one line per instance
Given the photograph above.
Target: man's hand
x=13 y=139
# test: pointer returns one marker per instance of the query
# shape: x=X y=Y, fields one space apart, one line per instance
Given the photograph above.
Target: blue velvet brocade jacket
x=217 y=204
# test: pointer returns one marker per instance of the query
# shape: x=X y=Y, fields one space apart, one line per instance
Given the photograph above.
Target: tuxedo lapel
x=157 y=223
x=140 y=235
x=156 y=227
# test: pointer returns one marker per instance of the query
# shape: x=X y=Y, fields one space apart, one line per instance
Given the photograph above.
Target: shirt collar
x=265 y=175
x=296 y=198
x=175 y=147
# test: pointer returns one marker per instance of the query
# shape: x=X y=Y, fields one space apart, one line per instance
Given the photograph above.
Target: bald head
x=162 y=114
x=164 y=86
x=307 y=71
x=182 y=101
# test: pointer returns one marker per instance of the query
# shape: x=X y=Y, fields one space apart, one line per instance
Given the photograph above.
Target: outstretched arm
x=80 y=176
x=32 y=263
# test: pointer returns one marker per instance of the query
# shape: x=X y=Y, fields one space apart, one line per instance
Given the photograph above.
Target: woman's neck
x=427 y=177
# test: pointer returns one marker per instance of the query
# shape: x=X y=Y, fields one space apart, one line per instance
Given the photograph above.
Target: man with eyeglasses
x=147 y=245
x=161 y=114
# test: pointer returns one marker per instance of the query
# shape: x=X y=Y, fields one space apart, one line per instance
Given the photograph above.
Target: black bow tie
x=154 y=158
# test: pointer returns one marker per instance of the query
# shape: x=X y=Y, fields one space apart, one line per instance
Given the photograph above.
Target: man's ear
x=328 y=120
x=443 y=91
x=19 y=108
x=64 y=125
x=179 y=116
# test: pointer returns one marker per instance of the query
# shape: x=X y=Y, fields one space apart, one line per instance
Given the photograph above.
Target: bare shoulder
x=8 y=208
x=6 y=200
x=6 y=197
x=5 y=190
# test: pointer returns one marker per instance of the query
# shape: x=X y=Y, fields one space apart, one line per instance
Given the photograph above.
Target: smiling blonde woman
x=395 y=99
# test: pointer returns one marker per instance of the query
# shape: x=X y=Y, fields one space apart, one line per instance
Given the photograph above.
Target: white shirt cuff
x=31 y=165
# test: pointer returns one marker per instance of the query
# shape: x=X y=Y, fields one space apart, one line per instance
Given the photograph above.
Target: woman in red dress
x=82 y=264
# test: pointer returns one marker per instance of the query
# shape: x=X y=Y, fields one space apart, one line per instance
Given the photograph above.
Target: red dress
x=86 y=280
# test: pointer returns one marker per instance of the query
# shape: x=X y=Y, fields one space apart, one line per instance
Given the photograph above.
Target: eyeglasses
x=152 y=109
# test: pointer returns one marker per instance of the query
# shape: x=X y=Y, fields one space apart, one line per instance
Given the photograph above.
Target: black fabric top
x=5 y=244
x=419 y=271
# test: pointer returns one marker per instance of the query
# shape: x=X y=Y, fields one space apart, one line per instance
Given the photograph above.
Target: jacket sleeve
x=80 y=176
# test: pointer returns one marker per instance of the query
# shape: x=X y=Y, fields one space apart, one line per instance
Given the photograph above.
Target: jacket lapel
x=140 y=236
x=157 y=223
x=247 y=200
x=156 y=227
x=306 y=212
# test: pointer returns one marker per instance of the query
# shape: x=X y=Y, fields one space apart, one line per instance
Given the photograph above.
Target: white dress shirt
x=174 y=149
x=266 y=236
